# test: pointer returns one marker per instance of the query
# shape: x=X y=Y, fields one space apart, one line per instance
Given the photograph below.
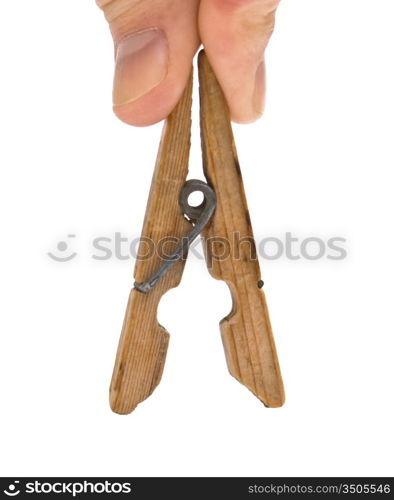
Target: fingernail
x=259 y=89
x=141 y=64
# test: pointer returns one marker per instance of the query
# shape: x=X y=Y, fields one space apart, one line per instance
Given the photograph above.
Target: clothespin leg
x=143 y=344
x=246 y=332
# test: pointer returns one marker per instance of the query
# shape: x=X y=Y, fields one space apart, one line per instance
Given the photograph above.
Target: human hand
x=156 y=40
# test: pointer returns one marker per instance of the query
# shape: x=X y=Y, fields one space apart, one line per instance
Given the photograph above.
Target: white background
x=319 y=163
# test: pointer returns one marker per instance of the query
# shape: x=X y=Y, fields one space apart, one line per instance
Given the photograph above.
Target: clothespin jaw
x=222 y=217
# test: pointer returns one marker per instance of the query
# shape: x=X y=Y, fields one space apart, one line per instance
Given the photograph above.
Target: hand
x=156 y=40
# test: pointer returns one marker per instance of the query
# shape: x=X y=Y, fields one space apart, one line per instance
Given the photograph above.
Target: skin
x=234 y=33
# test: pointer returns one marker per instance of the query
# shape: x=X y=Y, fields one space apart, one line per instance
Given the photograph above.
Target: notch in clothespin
x=222 y=217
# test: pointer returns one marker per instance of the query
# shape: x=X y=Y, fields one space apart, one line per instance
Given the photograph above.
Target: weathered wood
x=246 y=331
x=143 y=343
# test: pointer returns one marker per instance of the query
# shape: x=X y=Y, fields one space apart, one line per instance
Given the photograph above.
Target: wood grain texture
x=246 y=331
x=143 y=343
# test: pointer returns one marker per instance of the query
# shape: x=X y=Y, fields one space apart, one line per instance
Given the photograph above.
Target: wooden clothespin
x=246 y=331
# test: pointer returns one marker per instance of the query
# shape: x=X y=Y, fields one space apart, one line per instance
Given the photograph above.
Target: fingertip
x=244 y=87
x=144 y=112
x=158 y=103
x=128 y=115
x=235 y=35
x=244 y=117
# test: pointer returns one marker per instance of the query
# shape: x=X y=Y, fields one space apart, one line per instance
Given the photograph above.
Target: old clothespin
x=246 y=331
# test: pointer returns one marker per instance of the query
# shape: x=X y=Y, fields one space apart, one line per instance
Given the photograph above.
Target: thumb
x=155 y=42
